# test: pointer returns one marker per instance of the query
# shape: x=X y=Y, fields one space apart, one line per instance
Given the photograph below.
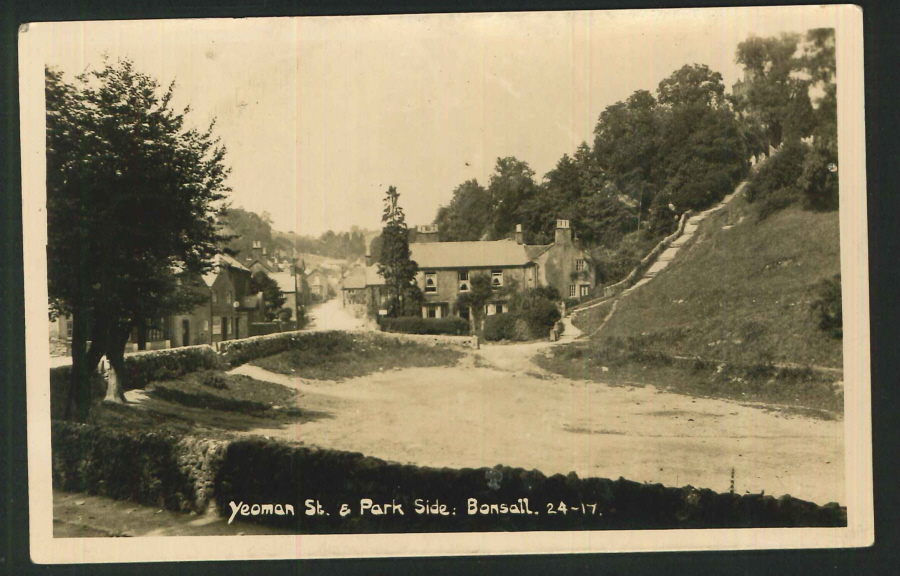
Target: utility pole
x=296 y=296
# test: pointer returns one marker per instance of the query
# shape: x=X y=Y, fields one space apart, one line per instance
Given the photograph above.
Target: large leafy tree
x=511 y=186
x=775 y=95
x=467 y=217
x=395 y=262
x=132 y=201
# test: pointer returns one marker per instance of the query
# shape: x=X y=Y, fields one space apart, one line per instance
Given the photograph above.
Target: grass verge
x=349 y=356
x=618 y=362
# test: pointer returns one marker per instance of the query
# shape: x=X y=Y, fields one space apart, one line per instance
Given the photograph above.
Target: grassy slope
x=351 y=360
x=740 y=295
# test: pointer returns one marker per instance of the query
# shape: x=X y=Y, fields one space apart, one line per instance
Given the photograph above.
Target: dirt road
x=497 y=407
x=330 y=316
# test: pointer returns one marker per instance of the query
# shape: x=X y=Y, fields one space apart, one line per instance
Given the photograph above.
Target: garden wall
x=183 y=473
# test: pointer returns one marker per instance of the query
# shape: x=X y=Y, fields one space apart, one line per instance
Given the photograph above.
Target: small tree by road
x=395 y=261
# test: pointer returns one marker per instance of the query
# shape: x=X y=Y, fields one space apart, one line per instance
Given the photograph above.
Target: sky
x=320 y=115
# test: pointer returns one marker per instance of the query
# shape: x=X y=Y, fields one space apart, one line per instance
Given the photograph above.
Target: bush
x=828 y=306
x=540 y=316
x=432 y=326
x=776 y=182
x=145 y=367
x=501 y=327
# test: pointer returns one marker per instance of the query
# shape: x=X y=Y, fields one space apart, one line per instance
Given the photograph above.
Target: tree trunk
x=141 y=335
x=78 y=403
x=115 y=354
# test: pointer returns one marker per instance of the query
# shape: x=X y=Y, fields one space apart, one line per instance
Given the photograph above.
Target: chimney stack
x=427 y=233
x=519 y=238
x=563 y=232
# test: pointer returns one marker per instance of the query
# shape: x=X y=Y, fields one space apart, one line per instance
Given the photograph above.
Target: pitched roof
x=361 y=277
x=373 y=278
x=285 y=281
x=535 y=250
x=479 y=254
x=220 y=260
x=355 y=280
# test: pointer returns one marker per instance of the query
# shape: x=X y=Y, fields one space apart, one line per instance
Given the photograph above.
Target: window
x=463 y=280
x=228 y=298
x=571 y=290
x=584 y=290
x=430 y=282
x=205 y=325
x=69 y=325
x=500 y=309
x=216 y=324
x=215 y=297
x=496 y=279
x=579 y=265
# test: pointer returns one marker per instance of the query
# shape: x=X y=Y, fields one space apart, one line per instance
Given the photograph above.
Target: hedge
x=164 y=469
x=502 y=327
x=432 y=326
x=145 y=367
x=263 y=471
x=61 y=380
x=157 y=468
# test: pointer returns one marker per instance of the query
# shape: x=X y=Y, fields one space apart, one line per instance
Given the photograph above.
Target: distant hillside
x=739 y=292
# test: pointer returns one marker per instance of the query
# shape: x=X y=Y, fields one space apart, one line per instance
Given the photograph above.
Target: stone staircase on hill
x=666 y=252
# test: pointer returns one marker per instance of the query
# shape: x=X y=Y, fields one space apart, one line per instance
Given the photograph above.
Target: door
x=185 y=332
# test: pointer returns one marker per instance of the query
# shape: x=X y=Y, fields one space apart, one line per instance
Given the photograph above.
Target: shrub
x=432 y=326
x=778 y=177
x=828 y=306
x=500 y=327
x=214 y=379
x=145 y=367
x=540 y=316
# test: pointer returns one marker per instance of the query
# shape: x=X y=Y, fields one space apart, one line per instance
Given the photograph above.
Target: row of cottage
x=231 y=310
x=445 y=270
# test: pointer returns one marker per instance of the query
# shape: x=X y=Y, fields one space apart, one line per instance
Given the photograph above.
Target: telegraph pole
x=296 y=296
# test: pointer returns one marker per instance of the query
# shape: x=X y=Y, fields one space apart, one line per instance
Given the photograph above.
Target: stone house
x=446 y=269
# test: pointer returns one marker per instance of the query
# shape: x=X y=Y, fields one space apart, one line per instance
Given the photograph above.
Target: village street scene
x=417 y=280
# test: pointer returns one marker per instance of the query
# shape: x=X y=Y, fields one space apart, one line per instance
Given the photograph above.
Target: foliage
x=480 y=291
x=774 y=95
x=499 y=327
x=146 y=367
x=828 y=308
x=775 y=186
x=245 y=228
x=395 y=263
x=468 y=215
x=272 y=294
x=119 y=156
x=531 y=316
x=339 y=355
x=419 y=325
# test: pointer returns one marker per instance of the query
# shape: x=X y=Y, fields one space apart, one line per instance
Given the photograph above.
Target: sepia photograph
x=476 y=283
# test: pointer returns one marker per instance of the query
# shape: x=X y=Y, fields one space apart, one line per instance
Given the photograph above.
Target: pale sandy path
x=331 y=316
x=513 y=413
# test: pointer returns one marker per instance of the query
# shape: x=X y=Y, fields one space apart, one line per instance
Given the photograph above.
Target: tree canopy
x=119 y=157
